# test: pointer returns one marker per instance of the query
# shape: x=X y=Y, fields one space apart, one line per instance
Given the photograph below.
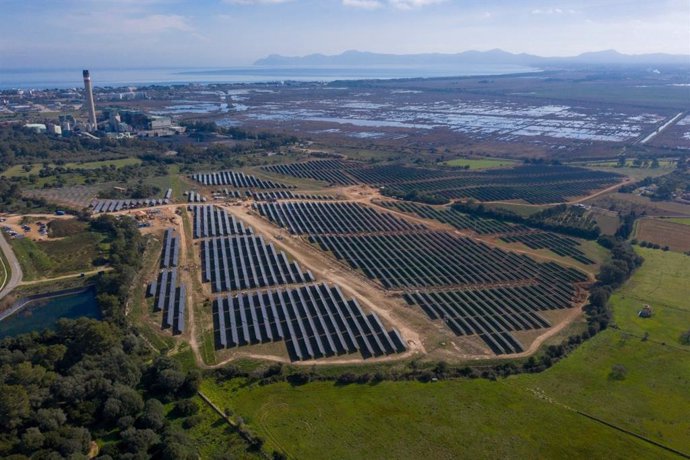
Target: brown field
x=665 y=233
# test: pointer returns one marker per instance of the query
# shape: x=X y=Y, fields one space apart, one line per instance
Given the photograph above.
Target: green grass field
x=525 y=416
x=680 y=220
x=46 y=259
x=18 y=170
x=481 y=163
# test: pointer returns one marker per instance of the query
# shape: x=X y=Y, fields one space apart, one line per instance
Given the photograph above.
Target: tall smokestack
x=93 y=124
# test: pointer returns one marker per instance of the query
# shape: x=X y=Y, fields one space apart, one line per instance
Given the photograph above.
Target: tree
x=685 y=338
x=618 y=372
x=14 y=405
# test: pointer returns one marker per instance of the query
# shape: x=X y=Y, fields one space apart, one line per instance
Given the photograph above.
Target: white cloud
x=255 y=2
x=410 y=4
x=552 y=11
x=363 y=4
x=399 y=4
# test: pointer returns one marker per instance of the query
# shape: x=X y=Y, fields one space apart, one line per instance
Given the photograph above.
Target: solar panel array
x=331 y=218
x=561 y=245
x=332 y=171
x=195 y=197
x=287 y=195
x=235 y=179
x=171 y=249
x=210 y=221
x=446 y=273
x=510 y=233
x=532 y=183
x=495 y=312
x=170 y=297
x=99 y=206
x=314 y=321
x=247 y=262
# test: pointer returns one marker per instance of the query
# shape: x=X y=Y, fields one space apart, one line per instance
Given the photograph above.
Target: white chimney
x=93 y=124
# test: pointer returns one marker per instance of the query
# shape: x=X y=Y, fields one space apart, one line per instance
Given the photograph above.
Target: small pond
x=42 y=314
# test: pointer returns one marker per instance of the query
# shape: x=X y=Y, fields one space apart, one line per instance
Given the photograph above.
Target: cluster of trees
x=647 y=244
x=624 y=261
x=12 y=200
x=666 y=185
x=414 y=195
x=549 y=219
x=60 y=390
x=126 y=248
x=23 y=146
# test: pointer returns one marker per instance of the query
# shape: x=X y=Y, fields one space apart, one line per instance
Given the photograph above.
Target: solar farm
x=556 y=183
x=510 y=233
x=338 y=272
x=261 y=296
x=473 y=288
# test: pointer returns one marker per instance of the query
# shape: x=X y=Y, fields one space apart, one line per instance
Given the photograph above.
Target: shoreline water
x=37 y=79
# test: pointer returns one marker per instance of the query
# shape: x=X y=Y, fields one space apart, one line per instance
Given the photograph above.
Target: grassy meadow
x=524 y=416
x=481 y=163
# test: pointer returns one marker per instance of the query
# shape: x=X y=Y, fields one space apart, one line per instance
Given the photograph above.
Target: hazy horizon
x=230 y=33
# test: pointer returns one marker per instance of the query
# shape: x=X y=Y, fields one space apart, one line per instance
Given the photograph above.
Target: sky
x=224 y=33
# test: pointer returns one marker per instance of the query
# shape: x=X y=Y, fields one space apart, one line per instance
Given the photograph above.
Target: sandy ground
x=14 y=223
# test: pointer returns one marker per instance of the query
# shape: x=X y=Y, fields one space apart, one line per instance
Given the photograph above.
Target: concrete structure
x=93 y=124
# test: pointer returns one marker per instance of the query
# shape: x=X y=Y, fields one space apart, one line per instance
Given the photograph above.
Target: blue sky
x=221 y=33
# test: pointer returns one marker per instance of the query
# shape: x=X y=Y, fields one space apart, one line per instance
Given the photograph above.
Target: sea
x=27 y=79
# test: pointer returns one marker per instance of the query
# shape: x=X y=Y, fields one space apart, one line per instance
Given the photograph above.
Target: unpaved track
x=14 y=268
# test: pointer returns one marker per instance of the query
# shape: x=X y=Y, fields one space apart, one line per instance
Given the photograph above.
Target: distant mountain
x=354 y=58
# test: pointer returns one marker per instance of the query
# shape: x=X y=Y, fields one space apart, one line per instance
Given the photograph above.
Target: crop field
x=212 y=221
x=680 y=220
x=473 y=288
x=529 y=415
x=664 y=233
x=235 y=179
x=246 y=262
x=314 y=321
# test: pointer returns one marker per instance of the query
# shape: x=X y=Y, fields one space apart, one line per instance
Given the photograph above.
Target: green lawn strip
x=19 y=171
x=661 y=282
x=470 y=419
x=680 y=220
x=481 y=163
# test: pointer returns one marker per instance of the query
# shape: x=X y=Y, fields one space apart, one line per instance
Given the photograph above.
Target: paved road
x=14 y=268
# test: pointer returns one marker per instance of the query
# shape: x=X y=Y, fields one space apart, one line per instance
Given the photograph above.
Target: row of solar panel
x=314 y=321
x=119 y=205
x=210 y=221
x=169 y=298
x=171 y=249
x=247 y=262
x=235 y=179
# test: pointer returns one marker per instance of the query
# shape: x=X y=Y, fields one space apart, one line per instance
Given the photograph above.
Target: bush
x=618 y=372
x=192 y=421
x=685 y=338
x=186 y=407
